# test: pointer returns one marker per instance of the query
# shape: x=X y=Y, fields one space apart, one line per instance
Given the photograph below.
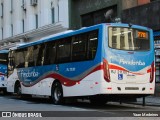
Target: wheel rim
x=57 y=94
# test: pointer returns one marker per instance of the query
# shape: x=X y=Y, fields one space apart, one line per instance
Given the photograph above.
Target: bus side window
x=3 y=58
x=29 y=59
x=40 y=55
x=50 y=53
x=64 y=50
x=93 y=41
x=11 y=64
x=79 y=47
x=19 y=58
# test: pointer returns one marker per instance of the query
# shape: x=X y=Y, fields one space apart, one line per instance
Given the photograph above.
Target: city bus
x=3 y=70
x=104 y=62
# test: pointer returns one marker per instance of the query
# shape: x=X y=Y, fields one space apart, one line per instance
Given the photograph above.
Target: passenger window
x=29 y=58
x=79 y=47
x=19 y=58
x=64 y=50
x=11 y=63
x=50 y=53
x=40 y=57
x=35 y=54
x=93 y=41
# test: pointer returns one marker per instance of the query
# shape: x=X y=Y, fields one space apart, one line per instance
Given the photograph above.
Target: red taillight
x=152 y=73
x=106 y=70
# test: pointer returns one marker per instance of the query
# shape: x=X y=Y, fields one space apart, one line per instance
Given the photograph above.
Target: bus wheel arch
x=57 y=92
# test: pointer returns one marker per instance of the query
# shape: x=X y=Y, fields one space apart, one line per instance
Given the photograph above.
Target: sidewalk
x=150 y=100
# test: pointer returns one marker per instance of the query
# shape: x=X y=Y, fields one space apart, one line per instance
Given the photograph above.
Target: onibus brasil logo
x=21 y=114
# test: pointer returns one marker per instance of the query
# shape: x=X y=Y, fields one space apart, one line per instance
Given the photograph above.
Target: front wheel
x=4 y=92
x=57 y=93
x=18 y=89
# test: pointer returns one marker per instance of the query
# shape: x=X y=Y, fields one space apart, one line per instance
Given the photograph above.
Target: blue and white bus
x=102 y=62
x=3 y=70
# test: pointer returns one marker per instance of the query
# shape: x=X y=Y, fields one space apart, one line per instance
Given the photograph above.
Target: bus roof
x=4 y=51
x=60 y=35
x=74 y=32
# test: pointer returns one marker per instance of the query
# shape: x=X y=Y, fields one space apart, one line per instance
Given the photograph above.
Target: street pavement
x=11 y=103
x=149 y=100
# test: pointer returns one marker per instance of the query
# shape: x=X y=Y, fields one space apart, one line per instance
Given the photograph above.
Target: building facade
x=147 y=15
x=90 y=12
x=29 y=20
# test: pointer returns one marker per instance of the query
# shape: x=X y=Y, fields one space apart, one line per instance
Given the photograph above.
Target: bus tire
x=18 y=89
x=57 y=93
x=4 y=92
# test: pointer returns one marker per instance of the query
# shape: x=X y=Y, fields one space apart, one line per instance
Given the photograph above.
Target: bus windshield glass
x=123 y=38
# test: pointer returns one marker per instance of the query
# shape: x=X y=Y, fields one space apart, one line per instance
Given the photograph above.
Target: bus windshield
x=123 y=38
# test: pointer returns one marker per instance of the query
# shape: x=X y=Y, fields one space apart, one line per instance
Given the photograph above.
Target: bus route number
x=142 y=35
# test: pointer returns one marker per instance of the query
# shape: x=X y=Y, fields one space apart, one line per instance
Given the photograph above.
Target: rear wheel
x=57 y=93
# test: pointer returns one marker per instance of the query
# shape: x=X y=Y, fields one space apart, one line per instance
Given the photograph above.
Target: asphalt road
x=80 y=109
